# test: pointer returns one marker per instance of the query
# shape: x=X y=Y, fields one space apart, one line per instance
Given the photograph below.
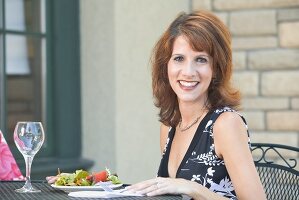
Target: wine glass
x=29 y=137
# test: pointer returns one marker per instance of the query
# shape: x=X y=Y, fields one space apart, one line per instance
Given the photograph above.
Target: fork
x=105 y=186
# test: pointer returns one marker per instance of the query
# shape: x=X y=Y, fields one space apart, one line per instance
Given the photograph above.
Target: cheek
x=209 y=77
x=172 y=74
x=209 y=72
x=206 y=72
x=170 y=71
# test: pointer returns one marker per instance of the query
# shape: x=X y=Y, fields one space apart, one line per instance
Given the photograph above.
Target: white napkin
x=101 y=194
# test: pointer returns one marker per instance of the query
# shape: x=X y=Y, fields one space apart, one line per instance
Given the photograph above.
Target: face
x=189 y=72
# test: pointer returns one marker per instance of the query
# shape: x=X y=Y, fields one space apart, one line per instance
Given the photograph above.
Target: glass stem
x=28 y=161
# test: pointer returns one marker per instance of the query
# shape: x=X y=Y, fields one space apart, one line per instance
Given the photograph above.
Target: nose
x=188 y=69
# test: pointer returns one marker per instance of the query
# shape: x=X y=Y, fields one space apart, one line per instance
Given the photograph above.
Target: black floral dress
x=200 y=163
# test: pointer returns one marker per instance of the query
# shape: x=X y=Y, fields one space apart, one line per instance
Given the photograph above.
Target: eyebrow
x=200 y=54
x=205 y=55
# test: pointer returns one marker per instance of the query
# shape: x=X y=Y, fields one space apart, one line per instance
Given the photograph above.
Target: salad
x=84 y=178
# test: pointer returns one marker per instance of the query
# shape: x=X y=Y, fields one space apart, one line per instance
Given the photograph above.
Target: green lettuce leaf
x=65 y=179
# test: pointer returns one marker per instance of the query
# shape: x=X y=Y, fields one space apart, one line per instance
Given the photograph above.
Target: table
x=48 y=193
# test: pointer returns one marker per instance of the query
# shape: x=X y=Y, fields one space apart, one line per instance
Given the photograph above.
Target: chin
x=188 y=98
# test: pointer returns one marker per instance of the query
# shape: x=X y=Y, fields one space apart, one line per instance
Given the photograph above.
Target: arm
x=160 y=186
x=51 y=179
x=163 y=136
x=231 y=144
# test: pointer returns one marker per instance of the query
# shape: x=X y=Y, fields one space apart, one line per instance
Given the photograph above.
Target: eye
x=201 y=60
x=178 y=58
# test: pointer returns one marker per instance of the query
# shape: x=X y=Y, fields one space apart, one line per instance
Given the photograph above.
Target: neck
x=197 y=119
x=190 y=111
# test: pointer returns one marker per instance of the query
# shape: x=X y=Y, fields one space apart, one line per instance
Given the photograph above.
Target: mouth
x=188 y=84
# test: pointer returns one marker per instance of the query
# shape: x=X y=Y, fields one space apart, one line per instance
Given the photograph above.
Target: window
x=40 y=79
x=24 y=63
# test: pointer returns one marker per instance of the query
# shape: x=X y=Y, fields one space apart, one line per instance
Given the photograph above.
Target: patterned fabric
x=9 y=169
x=200 y=163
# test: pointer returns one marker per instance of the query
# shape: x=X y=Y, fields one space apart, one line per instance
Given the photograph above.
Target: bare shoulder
x=229 y=120
x=229 y=131
x=163 y=135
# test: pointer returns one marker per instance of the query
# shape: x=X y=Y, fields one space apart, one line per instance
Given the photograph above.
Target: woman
x=204 y=141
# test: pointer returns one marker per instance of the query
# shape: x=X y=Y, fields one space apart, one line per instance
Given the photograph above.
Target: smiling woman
x=207 y=36
x=189 y=72
x=204 y=141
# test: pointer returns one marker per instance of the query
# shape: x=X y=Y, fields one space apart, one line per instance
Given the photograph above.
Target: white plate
x=85 y=188
x=101 y=194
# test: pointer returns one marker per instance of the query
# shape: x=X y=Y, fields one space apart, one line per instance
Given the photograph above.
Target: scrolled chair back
x=9 y=170
x=278 y=169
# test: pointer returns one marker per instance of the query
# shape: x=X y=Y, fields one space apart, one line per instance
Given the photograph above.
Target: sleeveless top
x=200 y=163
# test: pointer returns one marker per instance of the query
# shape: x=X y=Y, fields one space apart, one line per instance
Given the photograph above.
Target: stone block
x=295 y=103
x=243 y=4
x=265 y=103
x=275 y=137
x=239 y=60
x=290 y=14
x=255 y=119
x=258 y=42
x=282 y=120
x=246 y=82
x=257 y=22
x=274 y=59
x=201 y=5
x=288 y=34
x=280 y=83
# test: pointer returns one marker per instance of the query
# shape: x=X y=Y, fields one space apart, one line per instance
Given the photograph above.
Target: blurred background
x=82 y=68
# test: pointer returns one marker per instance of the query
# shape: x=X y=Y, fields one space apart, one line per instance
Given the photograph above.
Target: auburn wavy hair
x=205 y=32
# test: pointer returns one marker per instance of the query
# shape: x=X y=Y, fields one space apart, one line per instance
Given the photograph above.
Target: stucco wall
x=98 y=82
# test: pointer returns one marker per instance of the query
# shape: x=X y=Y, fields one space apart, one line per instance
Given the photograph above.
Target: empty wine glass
x=29 y=137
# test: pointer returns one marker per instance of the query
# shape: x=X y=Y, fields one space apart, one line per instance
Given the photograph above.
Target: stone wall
x=265 y=41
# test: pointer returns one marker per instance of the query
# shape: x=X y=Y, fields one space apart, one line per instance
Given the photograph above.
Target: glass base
x=26 y=189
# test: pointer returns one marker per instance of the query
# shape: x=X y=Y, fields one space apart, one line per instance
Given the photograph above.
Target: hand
x=160 y=186
x=51 y=179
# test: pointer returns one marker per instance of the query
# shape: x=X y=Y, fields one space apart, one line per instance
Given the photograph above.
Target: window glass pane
x=24 y=87
x=25 y=15
x=17 y=62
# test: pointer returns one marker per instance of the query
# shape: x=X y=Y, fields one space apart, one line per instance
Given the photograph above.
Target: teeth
x=188 y=83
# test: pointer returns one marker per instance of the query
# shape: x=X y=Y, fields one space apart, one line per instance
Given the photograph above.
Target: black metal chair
x=278 y=171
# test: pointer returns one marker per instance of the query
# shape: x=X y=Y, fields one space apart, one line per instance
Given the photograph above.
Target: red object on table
x=9 y=170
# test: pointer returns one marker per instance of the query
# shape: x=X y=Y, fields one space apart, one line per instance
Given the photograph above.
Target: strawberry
x=100 y=176
x=89 y=177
